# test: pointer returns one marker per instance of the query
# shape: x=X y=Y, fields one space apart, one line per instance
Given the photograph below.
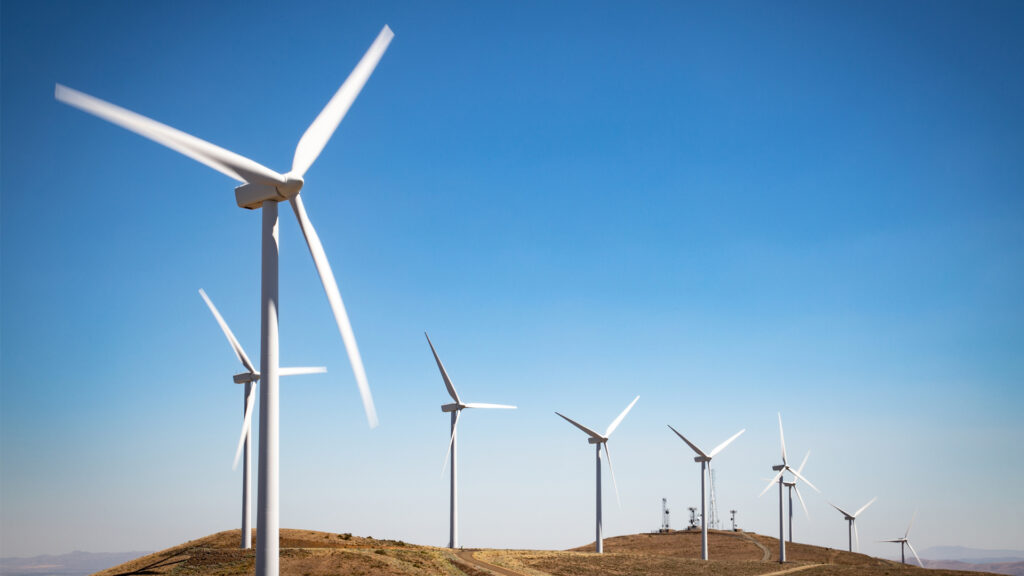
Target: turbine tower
x=781 y=469
x=455 y=409
x=264 y=188
x=791 y=485
x=250 y=377
x=851 y=521
x=599 y=440
x=905 y=542
x=705 y=459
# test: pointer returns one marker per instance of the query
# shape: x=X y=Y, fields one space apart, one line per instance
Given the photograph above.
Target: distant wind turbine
x=455 y=409
x=791 y=485
x=905 y=542
x=851 y=520
x=781 y=469
x=599 y=440
x=249 y=378
x=705 y=460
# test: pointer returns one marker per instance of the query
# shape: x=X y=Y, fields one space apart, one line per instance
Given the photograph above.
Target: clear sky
x=730 y=209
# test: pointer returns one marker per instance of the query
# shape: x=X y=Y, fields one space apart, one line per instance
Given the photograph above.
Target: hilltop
x=310 y=553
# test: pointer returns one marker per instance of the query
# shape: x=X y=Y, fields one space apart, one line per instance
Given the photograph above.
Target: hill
x=1009 y=568
x=75 y=563
x=309 y=553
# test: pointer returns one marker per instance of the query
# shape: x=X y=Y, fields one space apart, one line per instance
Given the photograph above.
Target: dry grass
x=678 y=553
x=614 y=564
x=308 y=553
x=303 y=553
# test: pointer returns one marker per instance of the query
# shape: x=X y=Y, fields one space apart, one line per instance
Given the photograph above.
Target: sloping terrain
x=303 y=553
x=678 y=553
x=309 y=553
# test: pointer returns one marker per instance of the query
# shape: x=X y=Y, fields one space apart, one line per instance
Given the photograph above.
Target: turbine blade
x=612 y=470
x=485 y=405
x=227 y=332
x=772 y=483
x=856 y=535
x=804 y=461
x=589 y=432
x=916 y=557
x=615 y=423
x=224 y=161
x=797 y=474
x=246 y=425
x=865 y=507
x=844 y=512
x=323 y=268
x=444 y=373
x=912 y=518
x=688 y=443
x=782 y=439
x=801 y=498
x=722 y=446
x=297 y=371
x=451 y=441
x=320 y=131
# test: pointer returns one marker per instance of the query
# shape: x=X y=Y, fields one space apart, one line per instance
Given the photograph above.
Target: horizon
x=731 y=211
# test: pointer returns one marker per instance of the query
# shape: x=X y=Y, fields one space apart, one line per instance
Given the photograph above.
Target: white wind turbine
x=455 y=409
x=781 y=469
x=705 y=459
x=851 y=521
x=249 y=378
x=905 y=542
x=599 y=440
x=264 y=188
x=791 y=485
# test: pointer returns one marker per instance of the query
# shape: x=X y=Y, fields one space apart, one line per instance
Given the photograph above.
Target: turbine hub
x=291 y=187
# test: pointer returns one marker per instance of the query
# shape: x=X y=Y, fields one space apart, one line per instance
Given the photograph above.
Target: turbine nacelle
x=597 y=440
x=252 y=195
x=246 y=377
x=452 y=407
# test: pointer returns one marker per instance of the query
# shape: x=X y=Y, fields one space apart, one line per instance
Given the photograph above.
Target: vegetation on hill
x=309 y=553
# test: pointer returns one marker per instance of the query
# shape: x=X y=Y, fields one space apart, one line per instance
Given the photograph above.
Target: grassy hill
x=308 y=553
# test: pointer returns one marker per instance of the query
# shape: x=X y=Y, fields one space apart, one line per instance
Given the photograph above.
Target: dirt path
x=765 y=554
x=467 y=556
x=794 y=569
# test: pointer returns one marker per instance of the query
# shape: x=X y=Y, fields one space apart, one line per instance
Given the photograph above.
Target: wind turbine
x=851 y=520
x=791 y=485
x=705 y=459
x=455 y=409
x=781 y=469
x=249 y=378
x=599 y=440
x=904 y=541
x=264 y=188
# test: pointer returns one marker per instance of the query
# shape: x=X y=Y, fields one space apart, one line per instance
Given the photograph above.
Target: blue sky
x=731 y=210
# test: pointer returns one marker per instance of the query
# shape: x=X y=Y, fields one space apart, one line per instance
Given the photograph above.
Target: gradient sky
x=730 y=209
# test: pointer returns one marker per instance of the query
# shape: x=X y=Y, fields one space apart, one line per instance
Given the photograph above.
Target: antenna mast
x=693 y=518
x=733 y=512
x=664 y=517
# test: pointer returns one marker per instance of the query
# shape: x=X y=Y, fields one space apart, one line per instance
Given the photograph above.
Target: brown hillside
x=303 y=553
x=308 y=553
x=678 y=554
